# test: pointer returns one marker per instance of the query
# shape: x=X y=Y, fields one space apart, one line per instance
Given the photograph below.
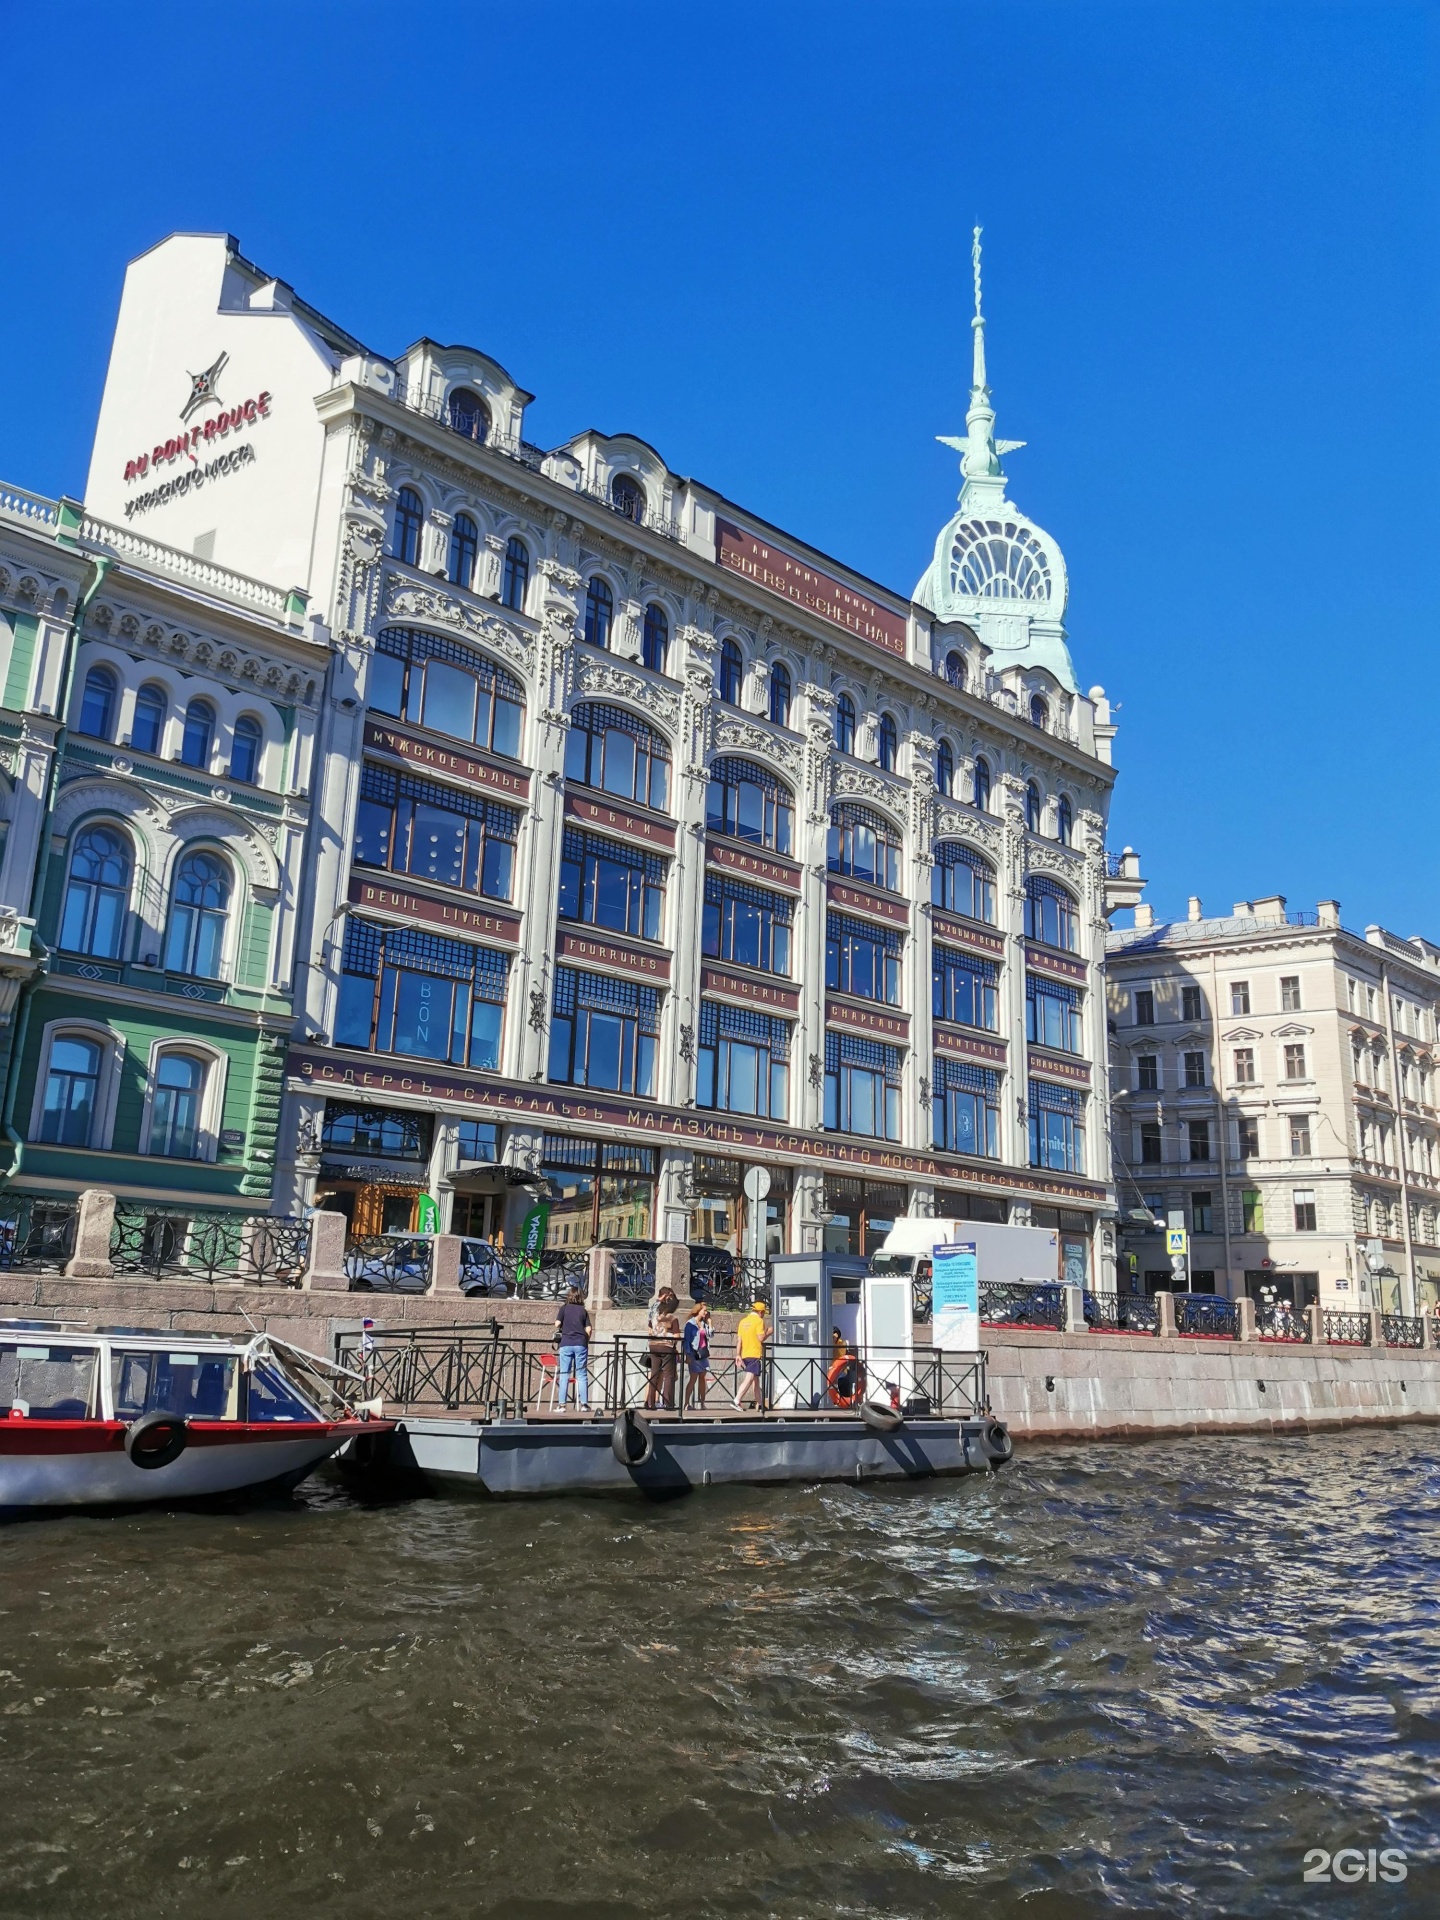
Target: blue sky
x=743 y=232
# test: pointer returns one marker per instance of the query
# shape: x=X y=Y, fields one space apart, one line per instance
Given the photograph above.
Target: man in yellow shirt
x=750 y=1338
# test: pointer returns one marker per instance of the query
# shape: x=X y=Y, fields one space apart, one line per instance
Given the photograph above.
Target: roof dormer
x=466 y=389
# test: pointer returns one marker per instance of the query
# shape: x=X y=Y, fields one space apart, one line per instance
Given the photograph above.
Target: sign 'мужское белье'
x=782 y=573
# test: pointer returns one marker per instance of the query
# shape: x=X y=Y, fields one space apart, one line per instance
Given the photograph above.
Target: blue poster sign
x=955 y=1284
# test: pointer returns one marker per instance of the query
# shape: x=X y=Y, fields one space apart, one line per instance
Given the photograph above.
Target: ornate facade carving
x=765 y=743
x=405 y=600
x=598 y=675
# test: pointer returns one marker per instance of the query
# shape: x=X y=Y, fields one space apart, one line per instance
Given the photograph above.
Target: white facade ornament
x=406 y=601
x=599 y=675
x=744 y=736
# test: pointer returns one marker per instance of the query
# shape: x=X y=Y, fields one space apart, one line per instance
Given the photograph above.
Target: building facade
x=620 y=841
x=1273 y=1085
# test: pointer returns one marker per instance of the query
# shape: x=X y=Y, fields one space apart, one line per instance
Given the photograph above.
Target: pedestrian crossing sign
x=1175 y=1240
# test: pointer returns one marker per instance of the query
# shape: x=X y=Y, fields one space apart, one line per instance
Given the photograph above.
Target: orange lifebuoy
x=851 y=1394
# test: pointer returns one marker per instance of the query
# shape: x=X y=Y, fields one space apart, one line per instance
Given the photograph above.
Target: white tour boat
x=129 y=1416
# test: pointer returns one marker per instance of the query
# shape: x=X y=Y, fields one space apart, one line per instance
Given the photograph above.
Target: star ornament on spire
x=203 y=387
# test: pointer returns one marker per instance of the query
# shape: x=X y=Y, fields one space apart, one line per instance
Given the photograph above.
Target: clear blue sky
x=742 y=232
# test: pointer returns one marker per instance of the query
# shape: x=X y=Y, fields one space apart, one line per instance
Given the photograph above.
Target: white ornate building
x=648 y=842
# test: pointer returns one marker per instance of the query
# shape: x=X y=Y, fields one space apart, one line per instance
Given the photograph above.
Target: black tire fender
x=999 y=1447
x=631 y=1440
x=155 y=1439
x=880 y=1417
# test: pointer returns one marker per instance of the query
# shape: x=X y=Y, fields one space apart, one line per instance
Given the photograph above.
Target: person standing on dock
x=697 y=1355
x=572 y=1334
x=750 y=1338
x=664 y=1350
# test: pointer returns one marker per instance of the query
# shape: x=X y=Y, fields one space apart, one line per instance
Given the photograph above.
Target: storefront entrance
x=374 y=1166
x=598 y=1191
x=859 y=1214
x=720 y=1213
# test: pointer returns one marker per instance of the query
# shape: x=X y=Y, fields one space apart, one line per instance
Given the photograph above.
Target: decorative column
x=812 y=825
x=539 y=883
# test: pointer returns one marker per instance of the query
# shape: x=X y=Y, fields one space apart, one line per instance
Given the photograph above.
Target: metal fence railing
x=1347 y=1329
x=1402 y=1330
x=1206 y=1316
x=177 y=1243
x=1280 y=1322
x=1021 y=1303
x=387 y=1263
x=557 y=1272
x=632 y=1281
x=37 y=1234
x=1121 y=1313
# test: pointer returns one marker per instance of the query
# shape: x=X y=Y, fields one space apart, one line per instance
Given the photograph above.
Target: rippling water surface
x=1142 y=1679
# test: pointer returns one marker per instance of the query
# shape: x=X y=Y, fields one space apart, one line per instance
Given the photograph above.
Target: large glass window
x=1051 y=915
x=413 y=826
x=72 y=1087
x=965 y=1108
x=245 y=750
x=469 y=415
x=749 y=803
x=599 y=612
x=743 y=1062
x=655 y=640
x=860 y=1213
x=1057 y=1127
x=404 y=991
x=446 y=686
x=175 y=1112
x=464 y=550
x=516 y=577
x=610 y=749
x=780 y=694
x=864 y=846
x=603 y=1032
x=148 y=725
x=199 y=733
x=598 y=1191
x=746 y=924
x=862 y=1087
x=1052 y=1014
x=409 y=518
x=845 y=724
x=382 y=1133
x=964 y=988
x=962 y=882
x=199 y=909
x=604 y=884
x=97 y=892
x=863 y=960
x=97 y=703
x=732 y=671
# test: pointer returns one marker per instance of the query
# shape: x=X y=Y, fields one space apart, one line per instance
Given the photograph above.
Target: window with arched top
x=656 y=638
x=97 y=703
x=962 y=882
x=982 y=785
x=516 y=578
x=245 y=752
x=780 y=694
x=945 y=768
x=863 y=846
x=148 y=726
x=199 y=910
x=1039 y=711
x=1065 y=822
x=845 y=724
x=599 y=611
x=627 y=496
x=199 y=734
x=469 y=414
x=97 y=893
x=732 y=669
x=72 y=1090
x=1051 y=915
x=447 y=686
x=409 y=519
x=749 y=803
x=464 y=550
x=887 y=742
x=998 y=560
x=955 y=668
x=612 y=749
x=1032 y=806
x=176 y=1111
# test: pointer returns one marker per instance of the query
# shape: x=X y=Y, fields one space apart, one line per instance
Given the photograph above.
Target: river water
x=1141 y=1679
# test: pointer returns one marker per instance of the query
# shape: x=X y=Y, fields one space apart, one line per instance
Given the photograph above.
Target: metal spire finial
x=975 y=263
x=980 y=465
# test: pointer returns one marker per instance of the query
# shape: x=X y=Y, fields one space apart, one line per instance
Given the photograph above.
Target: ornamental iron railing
x=177 y=1243
x=1347 y=1329
x=37 y=1234
x=1021 y=1303
x=389 y=1263
x=1205 y=1316
x=558 y=1271
x=1402 y=1330
x=1280 y=1322
x=1121 y=1313
x=632 y=1281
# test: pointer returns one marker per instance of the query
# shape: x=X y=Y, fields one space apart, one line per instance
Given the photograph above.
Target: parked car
x=713 y=1266
x=400 y=1263
x=480 y=1270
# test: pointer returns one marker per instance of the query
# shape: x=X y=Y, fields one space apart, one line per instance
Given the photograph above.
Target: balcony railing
x=415 y=400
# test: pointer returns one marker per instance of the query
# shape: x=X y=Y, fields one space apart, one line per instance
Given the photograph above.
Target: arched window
x=149 y=722
x=409 y=518
x=469 y=415
x=245 y=754
x=175 y=1113
x=961 y=882
x=97 y=704
x=945 y=768
x=198 y=735
x=749 y=803
x=599 y=611
x=199 y=908
x=780 y=694
x=464 y=550
x=1064 y=822
x=732 y=668
x=887 y=743
x=657 y=638
x=864 y=846
x=72 y=1087
x=517 y=573
x=613 y=750
x=982 y=785
x=1050 y=914
x=627 y=496
x=845 y=724
x=97 y=893
x=955 y=668
x=1032 y=806
x=1039 y=712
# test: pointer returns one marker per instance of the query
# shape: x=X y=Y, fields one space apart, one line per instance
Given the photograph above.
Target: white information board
x=955 y=1284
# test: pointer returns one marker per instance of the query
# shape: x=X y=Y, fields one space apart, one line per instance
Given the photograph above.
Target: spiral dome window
x=998 y=560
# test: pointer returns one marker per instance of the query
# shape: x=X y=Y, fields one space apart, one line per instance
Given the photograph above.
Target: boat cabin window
x=197 y=1386
x=44 y=1380
x=273 y=1398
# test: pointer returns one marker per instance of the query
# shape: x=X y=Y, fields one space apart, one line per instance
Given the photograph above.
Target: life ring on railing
x=155 y=1439
x=843 y=1391
x=631 y=1440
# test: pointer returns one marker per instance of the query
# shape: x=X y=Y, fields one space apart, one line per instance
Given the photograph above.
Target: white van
x=1002 y=1253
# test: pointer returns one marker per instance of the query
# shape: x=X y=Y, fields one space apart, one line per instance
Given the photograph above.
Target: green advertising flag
x=532 y=1239
x=427 y=1215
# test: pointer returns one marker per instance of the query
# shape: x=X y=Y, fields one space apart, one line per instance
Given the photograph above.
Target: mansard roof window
x=887 y=744
x=1039 y=712
x=409 y=518
x=732 y=667
x=780 y=694
x=627 y=496
x=517 y=573
x=845 y=724
x=955 y=668
x=599 y=612
x=469 y=414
